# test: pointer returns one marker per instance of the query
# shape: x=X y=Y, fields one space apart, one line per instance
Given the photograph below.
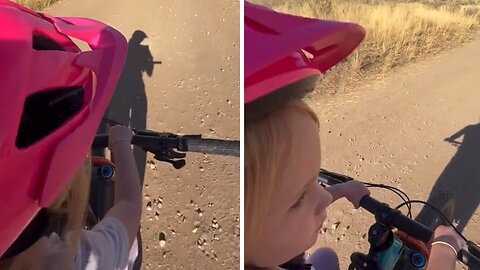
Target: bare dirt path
x=393 y=132
x=195 y=90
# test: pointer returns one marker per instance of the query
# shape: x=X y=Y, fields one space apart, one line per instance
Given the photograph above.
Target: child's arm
x=443 y=256
x=128 y=195
x=353 y=190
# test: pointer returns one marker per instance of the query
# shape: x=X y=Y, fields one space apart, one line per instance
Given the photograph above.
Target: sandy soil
x=195 y=90
x=393 y=132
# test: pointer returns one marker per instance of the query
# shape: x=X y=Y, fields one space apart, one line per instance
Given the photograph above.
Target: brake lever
x=171 y=156
x=341 y=177
x=177 y=164
x=469 y=259
x=327 y=178
x=473 y=248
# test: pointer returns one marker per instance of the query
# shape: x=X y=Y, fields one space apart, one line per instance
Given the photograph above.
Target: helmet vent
x=45 y=112
x=259 y=27
x=43 y=43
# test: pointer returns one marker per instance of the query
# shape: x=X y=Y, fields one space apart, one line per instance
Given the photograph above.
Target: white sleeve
x=106 y=246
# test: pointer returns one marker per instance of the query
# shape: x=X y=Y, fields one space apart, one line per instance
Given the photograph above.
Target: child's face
x=298 y=206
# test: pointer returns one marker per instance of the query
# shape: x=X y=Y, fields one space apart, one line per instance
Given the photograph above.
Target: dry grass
x=36 y=5
x=397 y=33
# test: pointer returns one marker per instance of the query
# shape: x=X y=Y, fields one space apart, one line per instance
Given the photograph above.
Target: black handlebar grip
x=100 y=141
x=473 y=248
x=371 y=205
x=399 y=221
x=468 y=259
x=207 y=146
x=212 y=146
x=413 y=228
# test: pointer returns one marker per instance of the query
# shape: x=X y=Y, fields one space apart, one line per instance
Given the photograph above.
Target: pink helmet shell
x=281 y=49
x=32 y=177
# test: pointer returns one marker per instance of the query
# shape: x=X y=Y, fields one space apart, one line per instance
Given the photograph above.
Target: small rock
x=215 y=223
x=149 y=206
x=152 y=165
x=158 y=202
x=199 y=212
x=163 y=239
x=335 y=225
x=202 y=239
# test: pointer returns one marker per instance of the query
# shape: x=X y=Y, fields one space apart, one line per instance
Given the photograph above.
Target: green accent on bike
x=388 y=259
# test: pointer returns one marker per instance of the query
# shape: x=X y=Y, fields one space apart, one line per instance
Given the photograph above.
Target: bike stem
x=380 y=238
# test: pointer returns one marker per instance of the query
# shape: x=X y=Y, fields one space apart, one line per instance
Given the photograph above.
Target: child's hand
x=119 y=135
x=355 y=191
x=445 y=245
x=449 y=235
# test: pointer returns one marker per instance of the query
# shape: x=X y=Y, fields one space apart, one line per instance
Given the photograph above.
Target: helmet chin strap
x=34 y=231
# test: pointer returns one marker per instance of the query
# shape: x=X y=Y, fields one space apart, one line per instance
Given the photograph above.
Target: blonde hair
x=66 y=217
x=266 y=143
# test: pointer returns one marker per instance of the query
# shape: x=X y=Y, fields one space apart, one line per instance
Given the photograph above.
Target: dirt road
x=195 y=89
x=393 y=132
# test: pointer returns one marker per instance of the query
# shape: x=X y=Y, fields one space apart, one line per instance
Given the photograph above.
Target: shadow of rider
x=458 y=186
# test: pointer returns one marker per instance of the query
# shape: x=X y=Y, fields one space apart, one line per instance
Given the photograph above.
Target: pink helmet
x=53 y=97
x=285 y=55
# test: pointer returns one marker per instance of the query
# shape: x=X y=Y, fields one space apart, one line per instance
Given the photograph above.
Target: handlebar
x=469 y=256
x=381 y=210
x=398 y=220
x=181 y=143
